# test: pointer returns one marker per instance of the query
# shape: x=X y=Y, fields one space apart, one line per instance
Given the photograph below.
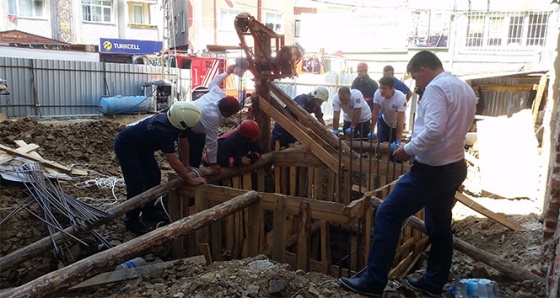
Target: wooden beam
x=512 y=270
x=482 y=210
x=23 y=153
x=304 y=236
x=279 y=238
x=315 y=148
x=506 y=88
x=538 y=97
x=311 y=122
x=72 y=274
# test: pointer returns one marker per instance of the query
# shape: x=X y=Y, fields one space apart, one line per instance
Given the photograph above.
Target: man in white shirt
x=392 y=103
x=445 y=114
x=356 y=113
x=216 y=106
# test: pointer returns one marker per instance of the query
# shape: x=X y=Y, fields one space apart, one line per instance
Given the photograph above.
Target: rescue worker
x=216 y=106
x=135 y=147
x=392 y=103
x=389 y=71
x=356 y=113
x=365 y=84
x=310 y=102
x=239 y=147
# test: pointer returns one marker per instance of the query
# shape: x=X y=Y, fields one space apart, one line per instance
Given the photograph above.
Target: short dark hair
x=229 y=105
x=424 y=59
x=388 y=68
x=344 y=90
x=387 y=81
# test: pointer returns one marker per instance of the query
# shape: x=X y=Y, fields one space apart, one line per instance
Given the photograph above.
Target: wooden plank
x=482 y=210
x=320 y=210
x=278 y=222
x=304 y=231
x=175 y=206
x=301 y=135
x=538 y=97
x=201 y=204
x=310 y=179
x=318 y=186
x=49 y=163
x=299 y=158
x=216 y=239
x=261 y=177
x=292 y=181
x=254 y=224
x=506 y=88
x=326 y=261
x=331 y=184
x=204 y=248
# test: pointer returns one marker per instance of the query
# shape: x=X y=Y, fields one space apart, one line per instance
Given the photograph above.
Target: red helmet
x=249 y=129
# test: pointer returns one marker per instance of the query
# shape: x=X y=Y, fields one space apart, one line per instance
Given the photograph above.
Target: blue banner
x=128 y=46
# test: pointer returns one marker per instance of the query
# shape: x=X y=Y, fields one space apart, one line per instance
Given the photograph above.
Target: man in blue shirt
x=389 y=71
x=135 y=147
x=311 y=102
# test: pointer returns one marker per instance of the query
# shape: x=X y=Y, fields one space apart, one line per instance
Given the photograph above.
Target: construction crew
x=444 y=117
x=392 y=103
x=389 y=71
x=356 y=113
x=365 y=84
x=135 y=147
x=215 y=106
x=239 y=147
x=311 y=102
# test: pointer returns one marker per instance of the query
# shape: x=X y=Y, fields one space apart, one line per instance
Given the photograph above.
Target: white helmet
x=184 y=115
x=320 y=92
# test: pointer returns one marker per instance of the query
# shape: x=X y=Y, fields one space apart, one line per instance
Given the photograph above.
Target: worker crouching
x=239 y=147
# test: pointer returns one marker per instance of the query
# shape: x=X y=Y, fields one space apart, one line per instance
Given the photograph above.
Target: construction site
x=287 y=225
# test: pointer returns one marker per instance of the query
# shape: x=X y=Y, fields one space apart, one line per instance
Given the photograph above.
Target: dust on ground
x=89 y=145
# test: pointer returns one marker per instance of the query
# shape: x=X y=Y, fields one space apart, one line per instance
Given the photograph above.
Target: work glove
x=335 y=132
x=349 y=131
x=372 y=135
x=394 y=146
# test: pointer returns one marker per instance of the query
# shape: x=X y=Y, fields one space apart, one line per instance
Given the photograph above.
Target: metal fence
x=43 y=88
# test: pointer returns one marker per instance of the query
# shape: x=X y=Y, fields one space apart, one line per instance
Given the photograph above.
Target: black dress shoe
x=420 y=286
x=361 y=286
x=136 y=227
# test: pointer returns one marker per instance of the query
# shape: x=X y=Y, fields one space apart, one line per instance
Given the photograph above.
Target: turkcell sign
x=128 y=46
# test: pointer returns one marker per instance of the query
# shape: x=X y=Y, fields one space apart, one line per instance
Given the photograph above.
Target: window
x=274 y=21
x=138 y=14
x=97 y=10
x=297 y=28
x=507 y=30
x=26 y=8
x=227 y=17
x=183 y=22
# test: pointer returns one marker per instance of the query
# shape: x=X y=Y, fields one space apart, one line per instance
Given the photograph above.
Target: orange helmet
x=362 y=66
x=249 y=129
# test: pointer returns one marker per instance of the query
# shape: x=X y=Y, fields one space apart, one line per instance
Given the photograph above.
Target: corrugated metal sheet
x=505 y=103
x=58 y=88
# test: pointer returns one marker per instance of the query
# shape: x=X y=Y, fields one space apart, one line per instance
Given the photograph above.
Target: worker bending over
x=135 y=147
x=392 y=103
x=239 y=147
x=310 y=102
x=356 y=113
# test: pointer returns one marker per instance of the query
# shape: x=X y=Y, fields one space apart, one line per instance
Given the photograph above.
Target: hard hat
x=362 y=66
x=321 y=93
x=184 y=115
x=249 y=129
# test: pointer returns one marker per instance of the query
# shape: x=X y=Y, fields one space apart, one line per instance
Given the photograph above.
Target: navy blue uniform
x=283 y=136
x=367 y=86
x=135 y=147
x=232 y=147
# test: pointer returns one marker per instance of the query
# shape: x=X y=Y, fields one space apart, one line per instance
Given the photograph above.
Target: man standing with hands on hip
x=445 y=114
